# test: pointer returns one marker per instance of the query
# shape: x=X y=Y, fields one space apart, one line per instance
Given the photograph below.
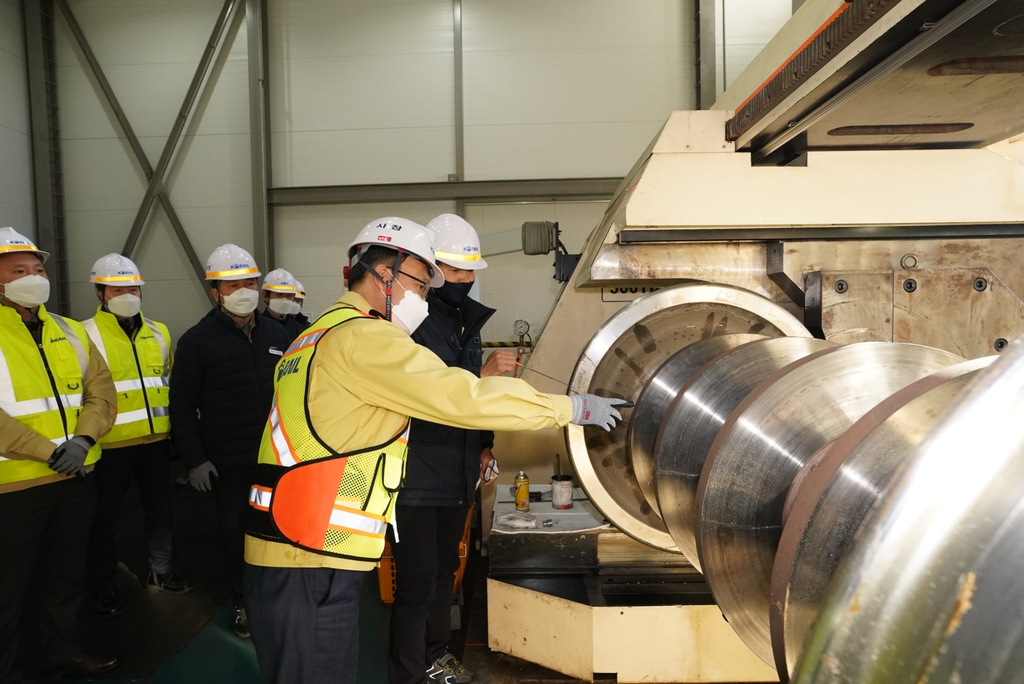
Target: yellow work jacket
x=44 y=392
x=367 y=379
x=140 y=367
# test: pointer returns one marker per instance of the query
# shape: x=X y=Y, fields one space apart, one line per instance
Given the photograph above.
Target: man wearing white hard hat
x=57 y=401
x=221 y=390
x=280 y=290
x=444 y=466
x=300 y=297
x=138 y=352
x=332 y=459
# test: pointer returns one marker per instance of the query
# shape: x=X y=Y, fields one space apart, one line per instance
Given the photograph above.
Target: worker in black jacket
x=280 y=293
x=220 y=395
x=443 y=469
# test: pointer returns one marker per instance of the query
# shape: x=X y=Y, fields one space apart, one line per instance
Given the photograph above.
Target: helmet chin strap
x=387 y=283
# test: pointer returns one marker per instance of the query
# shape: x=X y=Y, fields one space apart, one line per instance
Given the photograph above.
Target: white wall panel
x=361 y=92
x=521 y=286
x=16 y=185
x=149 y=52
x=571 y=88
x=312 y=242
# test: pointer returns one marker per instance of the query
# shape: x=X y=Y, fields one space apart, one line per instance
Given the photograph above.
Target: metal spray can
x=522 y=487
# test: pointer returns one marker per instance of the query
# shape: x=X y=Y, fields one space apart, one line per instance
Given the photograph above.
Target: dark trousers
x=304 y=623
x=44 y=534
x=231 y=492
x=150 y=465
x=426 y=558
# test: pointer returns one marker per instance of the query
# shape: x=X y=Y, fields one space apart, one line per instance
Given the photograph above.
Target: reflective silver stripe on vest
x=136 y=416
x=306 y=340
x=347 y=520
x=30 y=407
x=129 y=385
x=7 y=395
x=93 y=331
x=76 y=343
x=284 y=453
x=159 y=340
x=139 y=415
x=260 y=497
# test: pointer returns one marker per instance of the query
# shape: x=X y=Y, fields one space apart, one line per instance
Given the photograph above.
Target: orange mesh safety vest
x=309 y=495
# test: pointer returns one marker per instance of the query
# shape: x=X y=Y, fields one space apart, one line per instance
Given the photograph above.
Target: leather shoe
x=109 y=605
x=87 y=665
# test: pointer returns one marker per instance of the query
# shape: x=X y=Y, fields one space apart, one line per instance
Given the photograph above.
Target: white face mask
x=410 y=312
x=29 y=291
x=296 y=307
x=282 y=307
x=125 y=306
x=242 y=301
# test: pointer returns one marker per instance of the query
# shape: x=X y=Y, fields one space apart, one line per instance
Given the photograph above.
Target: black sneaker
x=241 y=623
x=169 y=583
x=436 y=673
x=109 y=605
x=450 y=664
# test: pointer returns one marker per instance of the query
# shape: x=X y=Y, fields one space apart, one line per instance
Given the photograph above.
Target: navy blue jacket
x=444 y=462
x=221 y=389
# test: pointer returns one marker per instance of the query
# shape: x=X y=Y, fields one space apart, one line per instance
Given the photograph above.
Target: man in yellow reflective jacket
x=345 y=391
x=56 y=401
x=138 y=352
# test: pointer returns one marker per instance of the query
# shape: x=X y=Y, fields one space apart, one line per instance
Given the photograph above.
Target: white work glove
x=200 y=476
x=590 y=409
x=69 y=458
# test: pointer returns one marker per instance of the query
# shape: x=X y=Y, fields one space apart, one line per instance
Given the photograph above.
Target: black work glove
x=69 y=457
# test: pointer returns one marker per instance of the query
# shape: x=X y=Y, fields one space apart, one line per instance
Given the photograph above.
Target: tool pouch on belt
x=337 y=506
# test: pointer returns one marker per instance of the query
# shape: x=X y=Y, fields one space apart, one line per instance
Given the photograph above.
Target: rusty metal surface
x=966 y=311
x=765 y=441
x=918 y=598
x=851 y=306
x=837 y=495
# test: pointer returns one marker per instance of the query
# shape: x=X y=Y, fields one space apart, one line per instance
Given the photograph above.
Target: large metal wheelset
x=853 y=508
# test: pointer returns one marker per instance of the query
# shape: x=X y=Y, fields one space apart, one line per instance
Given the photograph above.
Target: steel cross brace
x=156 y=189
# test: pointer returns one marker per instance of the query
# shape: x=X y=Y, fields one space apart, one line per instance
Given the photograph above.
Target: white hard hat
x=115 y=270
x=401 y=235
x=231 y=262
x=300 y=290
x=456 y=242
x=12 y=241
x=280 y=280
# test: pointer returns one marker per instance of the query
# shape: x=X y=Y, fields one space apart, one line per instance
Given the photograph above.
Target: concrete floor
x=172 y=639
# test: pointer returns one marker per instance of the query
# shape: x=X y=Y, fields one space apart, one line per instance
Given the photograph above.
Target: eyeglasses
x=423 y=285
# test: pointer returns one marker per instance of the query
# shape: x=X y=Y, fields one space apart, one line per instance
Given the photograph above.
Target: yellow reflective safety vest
x=140 y=369
x=307 y=494
x=42 y=391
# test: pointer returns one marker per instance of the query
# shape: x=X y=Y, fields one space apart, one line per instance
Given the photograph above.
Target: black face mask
x=453 y=294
